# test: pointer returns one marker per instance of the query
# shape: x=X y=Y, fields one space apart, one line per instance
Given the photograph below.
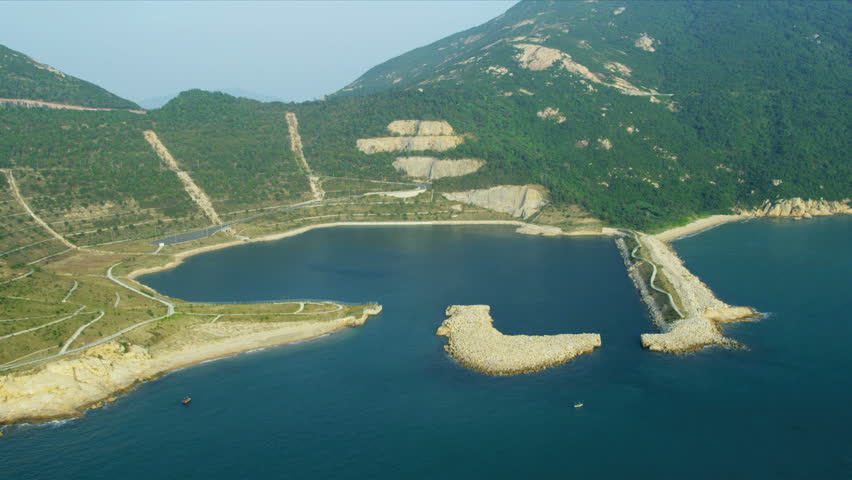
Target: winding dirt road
x=195 y=192
x=13 y=184
x=296 y=146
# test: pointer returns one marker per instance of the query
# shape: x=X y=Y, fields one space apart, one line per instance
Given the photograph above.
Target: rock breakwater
x=701 y=310
x=476 y=344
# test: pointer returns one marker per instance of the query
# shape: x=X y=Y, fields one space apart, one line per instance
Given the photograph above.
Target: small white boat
x=578 y=405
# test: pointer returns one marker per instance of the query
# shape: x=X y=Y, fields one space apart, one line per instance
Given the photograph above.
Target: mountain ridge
x=24 y=78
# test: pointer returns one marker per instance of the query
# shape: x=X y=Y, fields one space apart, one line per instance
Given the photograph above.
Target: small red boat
x=186 y=400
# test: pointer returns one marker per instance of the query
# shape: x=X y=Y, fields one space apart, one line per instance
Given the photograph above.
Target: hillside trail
x=28 y=103
x=13 y=184
x=195 y=192
x=296 y=146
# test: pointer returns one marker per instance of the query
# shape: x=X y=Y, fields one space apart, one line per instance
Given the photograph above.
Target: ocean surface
x=385 y=401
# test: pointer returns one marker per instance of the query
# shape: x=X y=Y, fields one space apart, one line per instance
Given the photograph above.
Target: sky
x=291 y=50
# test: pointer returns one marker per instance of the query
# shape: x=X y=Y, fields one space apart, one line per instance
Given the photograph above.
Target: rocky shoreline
x=799 y=208
x=68 y=387
x=475 y=343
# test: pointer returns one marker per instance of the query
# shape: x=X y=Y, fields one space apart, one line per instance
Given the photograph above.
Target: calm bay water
x=384 y=400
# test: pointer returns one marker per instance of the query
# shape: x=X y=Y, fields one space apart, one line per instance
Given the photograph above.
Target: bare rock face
x=417 y=135
x=437 y=143
x=538 y=58
x=518 y=201
x=420 y=127
x=796 y=207
x=553 y=114
x=646 y=42
x=61 y=387
x=475 y=343
x=432 y=168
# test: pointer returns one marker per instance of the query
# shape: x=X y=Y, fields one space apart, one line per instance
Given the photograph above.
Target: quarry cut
x=521 y=201
x=433 y=168
x=412 y=135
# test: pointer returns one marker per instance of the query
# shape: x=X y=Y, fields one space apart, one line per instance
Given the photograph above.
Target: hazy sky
x=293 y=50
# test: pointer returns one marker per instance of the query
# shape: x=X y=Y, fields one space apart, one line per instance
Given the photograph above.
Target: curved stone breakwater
x=702 y=311
x=66 y=388
x=476 y=344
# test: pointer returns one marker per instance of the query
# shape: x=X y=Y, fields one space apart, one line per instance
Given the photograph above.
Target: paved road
x=206 y=232
x=654 y=275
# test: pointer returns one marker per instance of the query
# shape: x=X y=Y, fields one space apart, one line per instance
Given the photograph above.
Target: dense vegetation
x=87 y=158
x=760 y=94
x=754 y=104
x=24 y=78
x=236 y=149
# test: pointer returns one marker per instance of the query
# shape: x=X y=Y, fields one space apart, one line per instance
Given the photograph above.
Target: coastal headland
x=475 y=343
x=67 y=387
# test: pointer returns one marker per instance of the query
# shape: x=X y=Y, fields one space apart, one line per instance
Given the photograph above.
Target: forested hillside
x=668 y=109
x=640 y=113
x=21 y=77
x=237 y=149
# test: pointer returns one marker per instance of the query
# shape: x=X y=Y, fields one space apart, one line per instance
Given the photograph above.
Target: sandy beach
x=697 y=226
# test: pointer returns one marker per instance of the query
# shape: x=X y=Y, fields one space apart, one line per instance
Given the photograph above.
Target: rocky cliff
x=796 y=207
x=420 y=127
x=432 y=168
x=417 y=135
x=518 y=201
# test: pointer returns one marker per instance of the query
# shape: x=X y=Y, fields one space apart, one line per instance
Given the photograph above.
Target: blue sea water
x=385 y=401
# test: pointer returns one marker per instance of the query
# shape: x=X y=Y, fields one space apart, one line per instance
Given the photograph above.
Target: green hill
x=21 y=77
x=641 y=114
x=671 y=108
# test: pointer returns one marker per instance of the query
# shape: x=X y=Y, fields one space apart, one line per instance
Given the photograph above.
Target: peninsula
x=67 y=387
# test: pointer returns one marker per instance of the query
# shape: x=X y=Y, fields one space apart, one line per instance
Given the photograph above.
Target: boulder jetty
x=476 y=344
